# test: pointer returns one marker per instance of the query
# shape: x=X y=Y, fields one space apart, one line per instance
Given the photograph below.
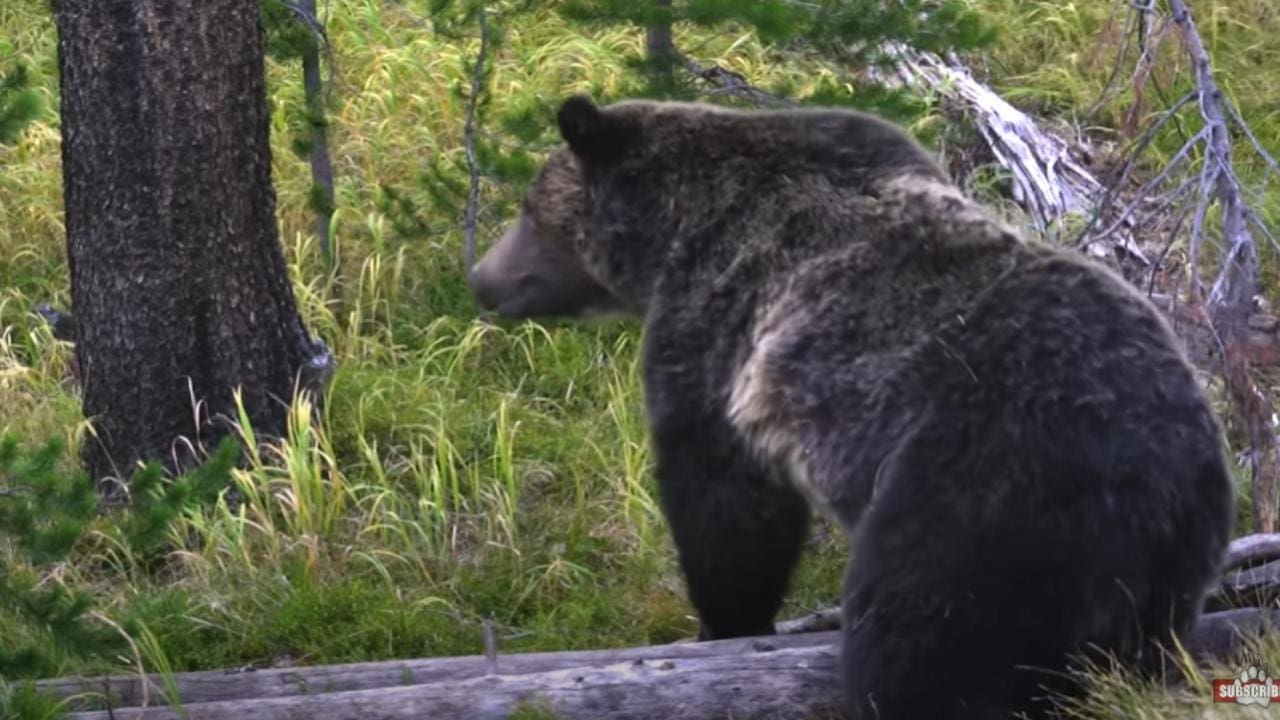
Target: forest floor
x=464 y=471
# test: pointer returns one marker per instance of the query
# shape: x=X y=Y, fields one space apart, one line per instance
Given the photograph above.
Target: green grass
x=464 y=471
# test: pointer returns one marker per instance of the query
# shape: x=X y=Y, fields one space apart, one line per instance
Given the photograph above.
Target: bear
x=1013 y=439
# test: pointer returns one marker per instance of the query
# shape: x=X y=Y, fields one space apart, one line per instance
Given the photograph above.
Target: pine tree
x=44 y=512
x=294 y=32
x=853 y=36
x=180 y=290
x=849 y=39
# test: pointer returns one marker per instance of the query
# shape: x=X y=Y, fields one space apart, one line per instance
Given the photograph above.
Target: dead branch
x=817 y=621
x=1048 y=182
x=1231 y=300
x=727 y=82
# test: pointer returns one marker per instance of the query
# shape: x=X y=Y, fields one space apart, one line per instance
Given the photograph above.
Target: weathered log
x=778 y=677
x=1251 y=587
x=1221 y=635
x=744 y=679
x=214 y=685
x=1253 y=550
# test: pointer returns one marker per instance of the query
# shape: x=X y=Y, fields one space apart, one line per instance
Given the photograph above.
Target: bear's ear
x=591 y=134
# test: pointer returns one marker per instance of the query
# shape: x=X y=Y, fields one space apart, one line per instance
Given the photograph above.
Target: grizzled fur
x=1010 y=433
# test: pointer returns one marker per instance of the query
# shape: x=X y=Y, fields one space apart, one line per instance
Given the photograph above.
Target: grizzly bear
x=1029 y=473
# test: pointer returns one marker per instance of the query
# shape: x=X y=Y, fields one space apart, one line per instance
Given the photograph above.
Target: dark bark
x=178 y=282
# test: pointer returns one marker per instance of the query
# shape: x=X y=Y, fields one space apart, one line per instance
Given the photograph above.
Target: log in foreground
x=748 y=678
x=789 y=676
x=218 y=685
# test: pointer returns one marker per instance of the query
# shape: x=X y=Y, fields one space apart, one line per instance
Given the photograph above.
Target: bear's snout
x=484 y=286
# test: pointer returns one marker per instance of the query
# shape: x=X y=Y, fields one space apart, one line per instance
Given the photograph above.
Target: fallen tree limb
x=1202 y=175
x=728 y=82
x=1048 y=182
x=817 y=621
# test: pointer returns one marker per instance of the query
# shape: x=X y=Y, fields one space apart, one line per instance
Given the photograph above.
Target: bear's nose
x=483 y=287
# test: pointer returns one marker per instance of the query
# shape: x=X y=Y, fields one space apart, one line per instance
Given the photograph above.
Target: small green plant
x=533 y=709
x=44 y=512
x=22 y=701
x=19 y=104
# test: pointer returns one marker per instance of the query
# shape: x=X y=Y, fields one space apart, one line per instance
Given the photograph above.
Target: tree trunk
x=178 y=282
x=660 y=49
x=321 y=166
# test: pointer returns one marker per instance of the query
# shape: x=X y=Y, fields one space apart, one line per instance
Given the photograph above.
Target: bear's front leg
x=738 y=532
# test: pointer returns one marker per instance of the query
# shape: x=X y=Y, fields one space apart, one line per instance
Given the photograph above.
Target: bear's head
x=537 y=269
x=590 y=234
x=636 y=179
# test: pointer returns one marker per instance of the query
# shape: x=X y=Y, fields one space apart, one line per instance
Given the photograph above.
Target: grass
x=464 y=471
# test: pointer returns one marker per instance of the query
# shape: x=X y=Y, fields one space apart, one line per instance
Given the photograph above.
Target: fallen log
x=743 y=679
x=268 y=683
x=778 y=676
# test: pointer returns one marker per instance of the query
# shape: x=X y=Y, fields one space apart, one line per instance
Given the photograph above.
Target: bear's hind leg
x=940 y=654
x=738 y=532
